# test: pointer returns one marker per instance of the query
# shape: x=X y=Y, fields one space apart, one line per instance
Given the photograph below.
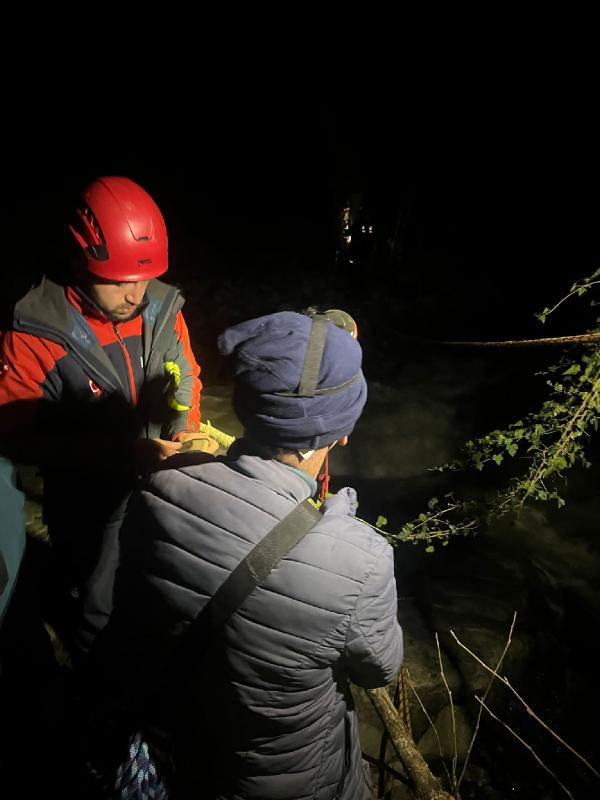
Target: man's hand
x=150 y=452
x=192 y=440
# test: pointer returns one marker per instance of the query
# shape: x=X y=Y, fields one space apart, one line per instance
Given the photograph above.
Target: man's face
x=119 y=301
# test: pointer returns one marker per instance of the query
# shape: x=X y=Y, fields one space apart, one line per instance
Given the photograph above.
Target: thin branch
x=564 y=441
x=524 y=704
x=487 y=691
x=455 y=757
x=408 y=537
x=571 y=294
x=440 y=513
x=524 y=743
x=432 y=726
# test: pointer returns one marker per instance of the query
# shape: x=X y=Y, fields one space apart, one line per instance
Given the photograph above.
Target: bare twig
x=432 y=726
x=526 y=707
x=572 y=293
x=455 y=757
x=524 y=743
x=487 y=691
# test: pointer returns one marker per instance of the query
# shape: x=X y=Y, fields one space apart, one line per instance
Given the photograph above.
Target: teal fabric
x=12 y=531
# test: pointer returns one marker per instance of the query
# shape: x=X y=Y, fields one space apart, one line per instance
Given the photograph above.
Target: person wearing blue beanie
x=298 y=380
x=262 y=706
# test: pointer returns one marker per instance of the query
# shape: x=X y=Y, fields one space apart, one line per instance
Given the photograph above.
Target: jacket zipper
x=132 y=389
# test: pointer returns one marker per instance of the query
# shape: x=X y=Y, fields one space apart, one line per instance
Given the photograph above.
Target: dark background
x=494 y=204
x=491 y=194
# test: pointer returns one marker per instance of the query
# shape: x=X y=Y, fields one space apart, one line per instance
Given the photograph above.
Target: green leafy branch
x=551 y=441
x=578 y=289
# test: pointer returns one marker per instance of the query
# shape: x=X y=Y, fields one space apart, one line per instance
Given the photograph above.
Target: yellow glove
x=223 y=440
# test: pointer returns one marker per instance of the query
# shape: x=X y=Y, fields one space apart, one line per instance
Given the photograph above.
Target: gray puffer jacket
x=271 y=701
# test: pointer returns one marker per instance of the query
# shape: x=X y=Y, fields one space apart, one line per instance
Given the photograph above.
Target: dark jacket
x=63 y=349
x=86 y=388
x=269 y=707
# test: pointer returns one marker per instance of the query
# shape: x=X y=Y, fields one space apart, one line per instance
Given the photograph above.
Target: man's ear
x=343 y=441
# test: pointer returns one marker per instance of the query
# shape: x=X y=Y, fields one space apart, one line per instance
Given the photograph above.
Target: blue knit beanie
x=286 y=399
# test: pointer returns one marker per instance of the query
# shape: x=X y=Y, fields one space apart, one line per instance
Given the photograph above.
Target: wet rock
x=445 y=726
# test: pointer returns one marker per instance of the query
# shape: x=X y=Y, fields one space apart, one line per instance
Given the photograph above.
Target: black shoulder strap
x=314 y=355
x=309 y=380
x=252 y=571
x=197 y=639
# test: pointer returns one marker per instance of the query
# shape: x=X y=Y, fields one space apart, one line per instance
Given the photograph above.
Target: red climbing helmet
x=121 y=231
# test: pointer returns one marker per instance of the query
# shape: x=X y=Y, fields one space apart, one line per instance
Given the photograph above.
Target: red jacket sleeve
x=26 y=362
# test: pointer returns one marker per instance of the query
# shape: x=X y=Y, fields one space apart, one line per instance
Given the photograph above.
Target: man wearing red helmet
x=84 y=390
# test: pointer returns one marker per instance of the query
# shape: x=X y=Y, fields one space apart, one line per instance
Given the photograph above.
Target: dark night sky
x=498 y=176
x=500 y=194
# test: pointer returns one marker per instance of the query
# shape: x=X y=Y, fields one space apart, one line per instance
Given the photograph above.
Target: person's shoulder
x=45 y=299
x=18 y=345
x=161 y=289
x=162 y=298
x=339 y=516
x=44 y=287
x=181 y=467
